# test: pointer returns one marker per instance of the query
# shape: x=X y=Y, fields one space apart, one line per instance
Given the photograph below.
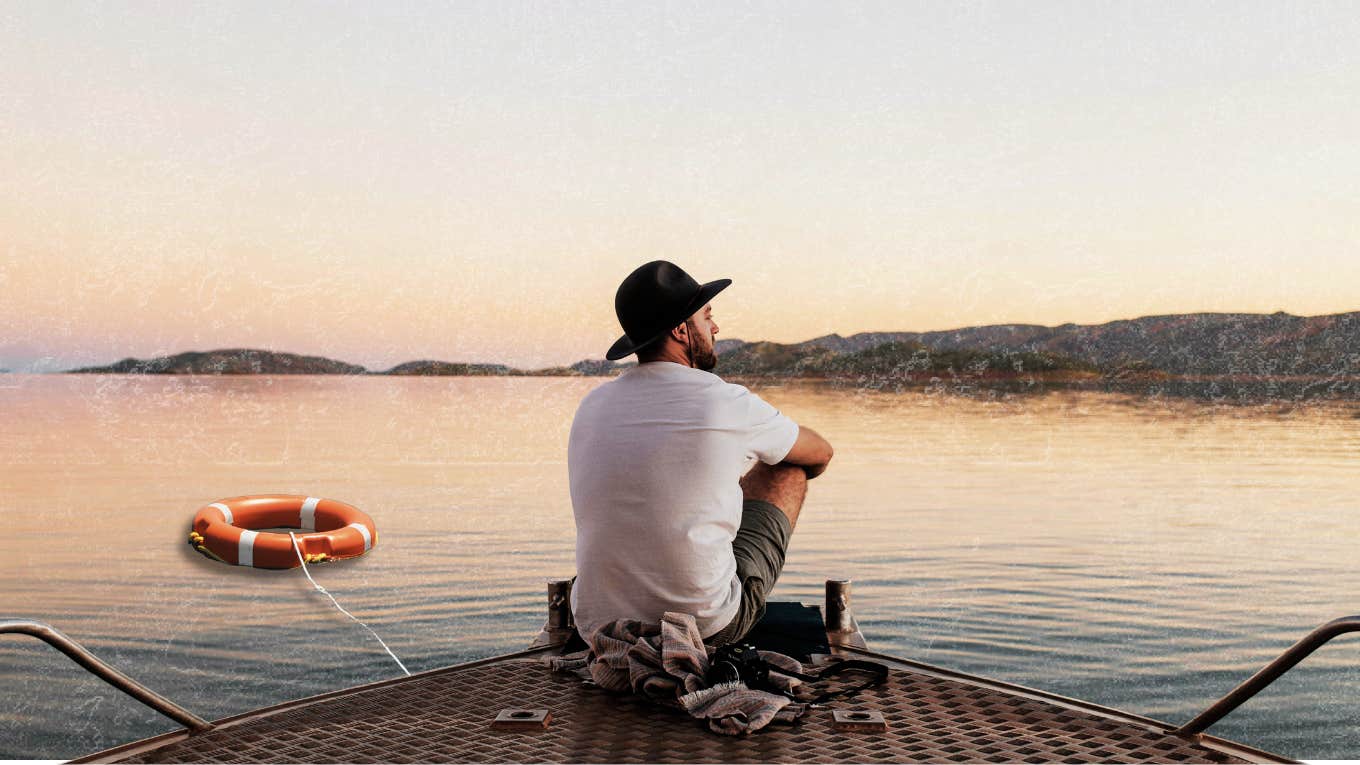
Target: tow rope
x=323 y=591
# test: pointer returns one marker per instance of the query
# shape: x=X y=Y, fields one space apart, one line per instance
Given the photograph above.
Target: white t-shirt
x=655 y=458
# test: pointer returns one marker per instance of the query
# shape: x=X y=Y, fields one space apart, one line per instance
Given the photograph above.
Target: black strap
x=880 y=676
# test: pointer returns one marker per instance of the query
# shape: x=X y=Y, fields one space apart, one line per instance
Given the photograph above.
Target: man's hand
x=811 y=452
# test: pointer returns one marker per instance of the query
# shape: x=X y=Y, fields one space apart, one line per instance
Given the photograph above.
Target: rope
x=322 y=590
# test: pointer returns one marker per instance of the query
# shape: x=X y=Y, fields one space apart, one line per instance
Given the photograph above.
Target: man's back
x=654 y=458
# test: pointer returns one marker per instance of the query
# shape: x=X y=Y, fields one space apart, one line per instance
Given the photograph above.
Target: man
x=665 y=519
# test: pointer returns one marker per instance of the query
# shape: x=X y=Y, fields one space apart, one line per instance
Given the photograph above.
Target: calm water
x=1143 y=554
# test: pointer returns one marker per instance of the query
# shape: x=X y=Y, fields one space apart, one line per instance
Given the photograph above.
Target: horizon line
x=367 y=370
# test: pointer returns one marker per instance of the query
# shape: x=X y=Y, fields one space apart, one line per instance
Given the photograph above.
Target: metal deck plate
x=448 y=716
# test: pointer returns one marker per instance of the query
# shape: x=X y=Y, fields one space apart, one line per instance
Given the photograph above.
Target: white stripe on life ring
x=307 y=516
x=245 y=549
x=225 y=511
x=368 y=538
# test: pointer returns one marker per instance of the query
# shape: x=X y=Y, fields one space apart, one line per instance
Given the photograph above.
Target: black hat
x=655 y=299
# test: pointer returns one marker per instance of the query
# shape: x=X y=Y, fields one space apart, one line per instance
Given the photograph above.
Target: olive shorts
x=760 y=547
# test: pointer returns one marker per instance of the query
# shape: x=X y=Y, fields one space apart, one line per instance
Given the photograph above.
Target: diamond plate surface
x=447 y=717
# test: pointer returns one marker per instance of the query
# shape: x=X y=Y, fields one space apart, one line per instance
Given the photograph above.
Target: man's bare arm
x=811 y=452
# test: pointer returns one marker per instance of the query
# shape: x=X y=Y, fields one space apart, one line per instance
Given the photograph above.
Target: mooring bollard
x=559 y=604
x=841 y=628
x=559 y=626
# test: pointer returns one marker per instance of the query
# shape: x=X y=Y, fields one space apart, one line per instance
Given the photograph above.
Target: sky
x=381 y=183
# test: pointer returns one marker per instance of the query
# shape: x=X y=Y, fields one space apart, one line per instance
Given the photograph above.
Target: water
x=1146 y=554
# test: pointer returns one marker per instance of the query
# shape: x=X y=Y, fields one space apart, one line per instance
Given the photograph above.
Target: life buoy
x=226 y=530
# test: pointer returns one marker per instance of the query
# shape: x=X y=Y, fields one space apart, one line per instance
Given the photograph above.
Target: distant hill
x=592 y=368
x=247 y=361
x=586 y=368
x=1211 y=344
x=450 y=368
x=1195 y=344
x=723 y=346
x=1183 y=345
x=232 y=361
x=888 y=359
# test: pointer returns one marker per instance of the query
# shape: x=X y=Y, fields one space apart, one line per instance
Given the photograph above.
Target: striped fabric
x=667 y=663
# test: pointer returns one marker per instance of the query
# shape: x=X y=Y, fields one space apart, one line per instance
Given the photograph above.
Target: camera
x=738 y=661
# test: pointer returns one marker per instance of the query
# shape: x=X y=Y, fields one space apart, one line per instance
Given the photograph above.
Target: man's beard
x=702 y=358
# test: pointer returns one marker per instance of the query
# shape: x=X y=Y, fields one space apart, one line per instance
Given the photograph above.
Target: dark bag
x=742 y=662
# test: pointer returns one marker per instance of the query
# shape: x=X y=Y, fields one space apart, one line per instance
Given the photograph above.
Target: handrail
x=1268 y=674
x=80 y=655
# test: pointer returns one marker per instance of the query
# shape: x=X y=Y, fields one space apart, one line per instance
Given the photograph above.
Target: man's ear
x=681 y=333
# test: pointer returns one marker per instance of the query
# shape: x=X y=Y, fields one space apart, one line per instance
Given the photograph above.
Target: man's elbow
x=820 y=465
x=811 y=452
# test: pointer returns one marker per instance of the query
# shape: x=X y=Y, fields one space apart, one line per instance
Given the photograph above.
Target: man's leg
x=782 y=485
x=773 y=497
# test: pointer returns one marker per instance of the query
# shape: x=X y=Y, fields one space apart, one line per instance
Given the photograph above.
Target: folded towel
x=668 y=662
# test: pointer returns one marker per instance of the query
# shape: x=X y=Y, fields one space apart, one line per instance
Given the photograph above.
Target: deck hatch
x=522 y=719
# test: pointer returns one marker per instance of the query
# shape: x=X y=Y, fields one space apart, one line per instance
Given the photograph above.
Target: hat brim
x=625 y=345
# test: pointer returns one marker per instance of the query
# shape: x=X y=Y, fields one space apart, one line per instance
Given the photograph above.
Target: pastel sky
x=380 y=182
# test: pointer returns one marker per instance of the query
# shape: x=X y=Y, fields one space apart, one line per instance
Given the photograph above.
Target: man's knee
x=782 y=485
x=781 y=477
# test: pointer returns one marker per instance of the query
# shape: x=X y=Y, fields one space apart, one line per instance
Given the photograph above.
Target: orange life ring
x=226 y=530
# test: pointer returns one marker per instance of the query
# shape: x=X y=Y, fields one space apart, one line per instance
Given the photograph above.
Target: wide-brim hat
x=653 y=300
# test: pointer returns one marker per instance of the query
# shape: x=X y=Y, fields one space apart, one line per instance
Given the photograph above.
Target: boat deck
x=447 y=715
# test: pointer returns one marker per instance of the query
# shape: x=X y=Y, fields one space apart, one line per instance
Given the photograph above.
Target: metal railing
x=1268 y=674
x=80 y=655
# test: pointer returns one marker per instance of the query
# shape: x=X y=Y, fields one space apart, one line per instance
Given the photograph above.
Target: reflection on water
x=1143 y=554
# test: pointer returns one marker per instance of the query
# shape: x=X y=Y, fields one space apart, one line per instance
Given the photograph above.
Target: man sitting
x=665 y=519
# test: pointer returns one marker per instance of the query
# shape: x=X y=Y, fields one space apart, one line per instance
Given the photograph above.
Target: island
x=1277 y=354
